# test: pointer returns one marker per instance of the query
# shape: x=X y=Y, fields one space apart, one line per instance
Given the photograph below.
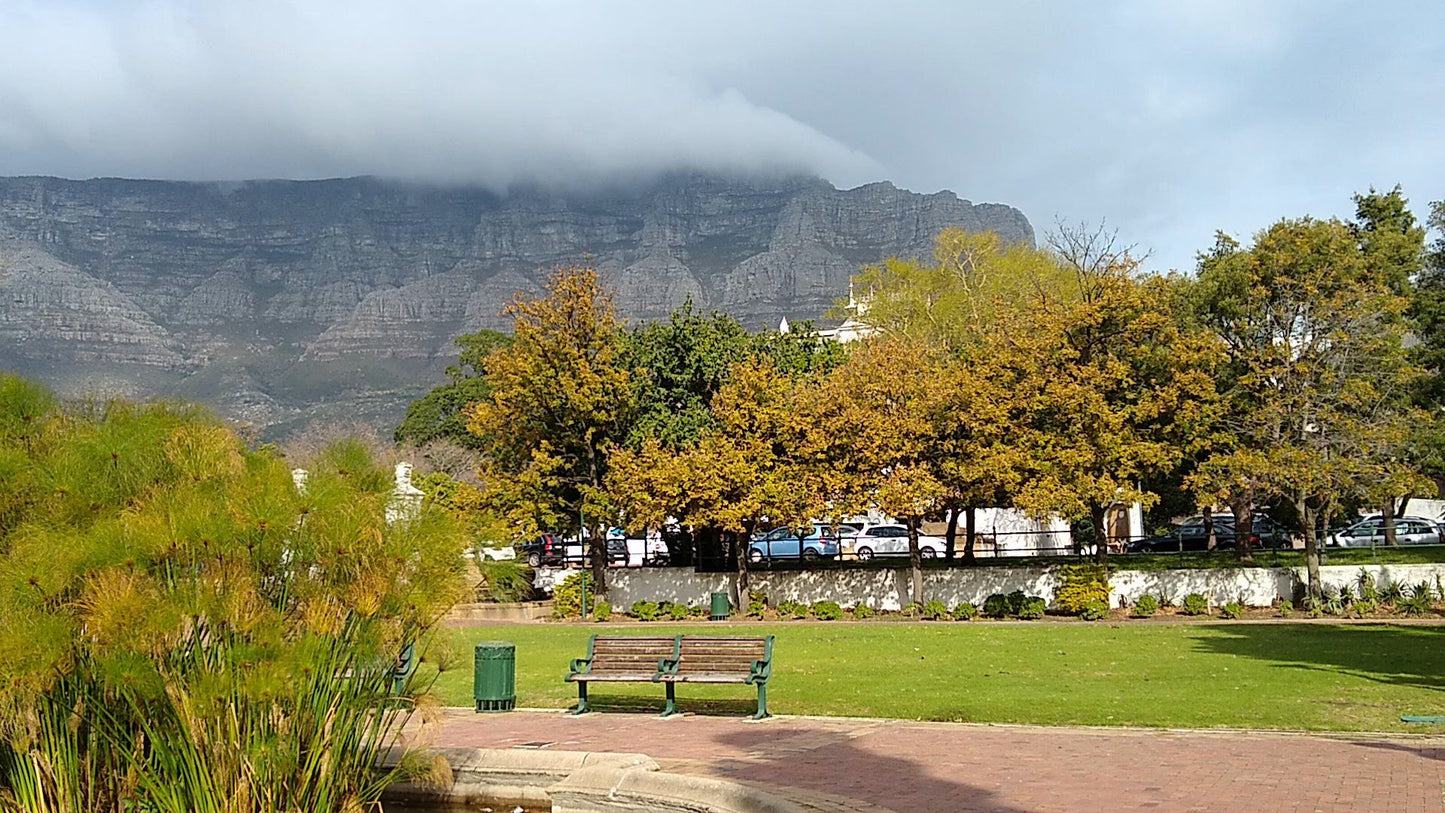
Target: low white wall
x=889 y=588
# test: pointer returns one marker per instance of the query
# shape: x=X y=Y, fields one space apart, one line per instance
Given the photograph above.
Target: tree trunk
x=1211 y=543
x=1243 y=508
x=1404 y=507
x=915 y=559
x=1312 y=550
x=1101 y=540
x=597 y=552
x=950 y=540
x=1387 y=520
x=970 y=533
x=744 y=584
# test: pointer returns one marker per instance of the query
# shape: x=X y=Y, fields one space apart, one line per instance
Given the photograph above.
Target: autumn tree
x=876 y=425
x=748 y=466
x=560 y=400
x=957 y=302
x=1114 y=390
x=1314 y=340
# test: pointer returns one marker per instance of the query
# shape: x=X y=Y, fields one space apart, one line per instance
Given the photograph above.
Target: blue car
x=818 y=542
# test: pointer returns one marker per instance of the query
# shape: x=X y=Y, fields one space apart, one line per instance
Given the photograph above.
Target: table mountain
x=283 y=301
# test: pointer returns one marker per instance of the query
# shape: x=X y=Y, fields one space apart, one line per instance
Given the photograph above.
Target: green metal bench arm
x=761 y=671
x=666 y=666
x=579 y=666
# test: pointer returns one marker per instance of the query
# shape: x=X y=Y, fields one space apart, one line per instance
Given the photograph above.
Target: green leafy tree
x=442 y=413
x=1316 y=366
x=677 y=367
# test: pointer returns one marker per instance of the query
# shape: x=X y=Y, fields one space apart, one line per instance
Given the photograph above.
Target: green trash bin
x=494 y=684
x=721 y=607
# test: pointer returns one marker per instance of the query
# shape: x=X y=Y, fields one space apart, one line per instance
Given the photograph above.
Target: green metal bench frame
x=583 y=666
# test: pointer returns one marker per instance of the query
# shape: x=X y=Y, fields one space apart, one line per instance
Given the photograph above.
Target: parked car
x=817 y=542
x=547 y=549
x=891 y=539
x=1193 y=535
x=1370 y=532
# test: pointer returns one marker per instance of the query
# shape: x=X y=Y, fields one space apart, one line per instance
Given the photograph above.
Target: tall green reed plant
x=194 y=632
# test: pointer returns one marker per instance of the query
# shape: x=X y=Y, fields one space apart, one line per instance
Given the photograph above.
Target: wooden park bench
x=619 y=659
x=682 y=659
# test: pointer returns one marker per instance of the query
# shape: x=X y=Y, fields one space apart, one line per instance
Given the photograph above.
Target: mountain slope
x=282 y=301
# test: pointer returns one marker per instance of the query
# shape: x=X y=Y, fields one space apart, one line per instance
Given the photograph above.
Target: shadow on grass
x=1412 y=656
x=832 y=763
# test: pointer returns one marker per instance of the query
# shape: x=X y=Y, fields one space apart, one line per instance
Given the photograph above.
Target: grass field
x=1281 y=676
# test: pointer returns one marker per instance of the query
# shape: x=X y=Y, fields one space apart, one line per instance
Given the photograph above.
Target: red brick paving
x=941 y=767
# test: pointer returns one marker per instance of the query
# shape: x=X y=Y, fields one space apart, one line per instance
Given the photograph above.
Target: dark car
x=1193 y=535
x=617 y=552
x=547 y=549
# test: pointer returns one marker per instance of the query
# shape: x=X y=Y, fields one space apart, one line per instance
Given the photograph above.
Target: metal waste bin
x=721 y=607
x=494 y=684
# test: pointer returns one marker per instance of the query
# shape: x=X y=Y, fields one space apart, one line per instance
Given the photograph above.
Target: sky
x=1165 y=119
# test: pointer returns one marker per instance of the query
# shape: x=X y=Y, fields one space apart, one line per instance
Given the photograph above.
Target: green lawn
x=1287 y=676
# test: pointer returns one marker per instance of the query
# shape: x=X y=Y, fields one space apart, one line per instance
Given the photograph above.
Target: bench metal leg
x=671 y=707
x=762 y=702
x=582 y=707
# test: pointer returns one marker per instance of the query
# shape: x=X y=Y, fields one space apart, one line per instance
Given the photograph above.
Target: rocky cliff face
x=284 y=301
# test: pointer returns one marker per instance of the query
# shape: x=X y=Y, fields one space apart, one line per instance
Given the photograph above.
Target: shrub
x=1196 y=604
x=1345 y=595
x=912 y=610
x=645 y=610
x=1423 y=591
x=1418 y=603
x=678 y=612
x=567 y=595
x=1016 y=601
x=1165 y=601
x=602 y=611
x=1285 y=608
x=1392 y=592
x=965 y=611
x=1366 y=584
x=862 y=611
x=1364 y=607
x=827 y=610
x=1081 y=585
x=757 y=604
x=1313 y=607
x=503 y=580
x=698 y=612
x=1333 y=606
x=1232 y=610
x=935 y=610
x=1094 y=610
x=996 y=606
x=1032 y=607
x=1146 y=606
x=792 y=609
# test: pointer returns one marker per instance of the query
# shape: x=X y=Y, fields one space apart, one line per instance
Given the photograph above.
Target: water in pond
x=479 y=807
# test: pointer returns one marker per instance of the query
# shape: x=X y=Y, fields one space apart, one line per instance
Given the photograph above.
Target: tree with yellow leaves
x=748 y=467
x=560 y=399
x=1110 y=388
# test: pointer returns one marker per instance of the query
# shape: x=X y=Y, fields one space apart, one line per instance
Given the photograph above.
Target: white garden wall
x=888 y=589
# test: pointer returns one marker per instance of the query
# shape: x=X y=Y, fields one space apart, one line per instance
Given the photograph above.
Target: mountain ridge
x=283 y=301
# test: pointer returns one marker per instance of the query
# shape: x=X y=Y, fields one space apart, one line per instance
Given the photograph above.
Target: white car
x=891 y=539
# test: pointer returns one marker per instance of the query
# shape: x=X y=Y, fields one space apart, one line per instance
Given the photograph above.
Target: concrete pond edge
x=582 y=782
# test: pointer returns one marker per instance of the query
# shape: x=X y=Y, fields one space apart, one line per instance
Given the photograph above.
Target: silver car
x=1370 y=532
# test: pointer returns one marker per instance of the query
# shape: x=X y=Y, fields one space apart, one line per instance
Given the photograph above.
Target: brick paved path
x=942 y=767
